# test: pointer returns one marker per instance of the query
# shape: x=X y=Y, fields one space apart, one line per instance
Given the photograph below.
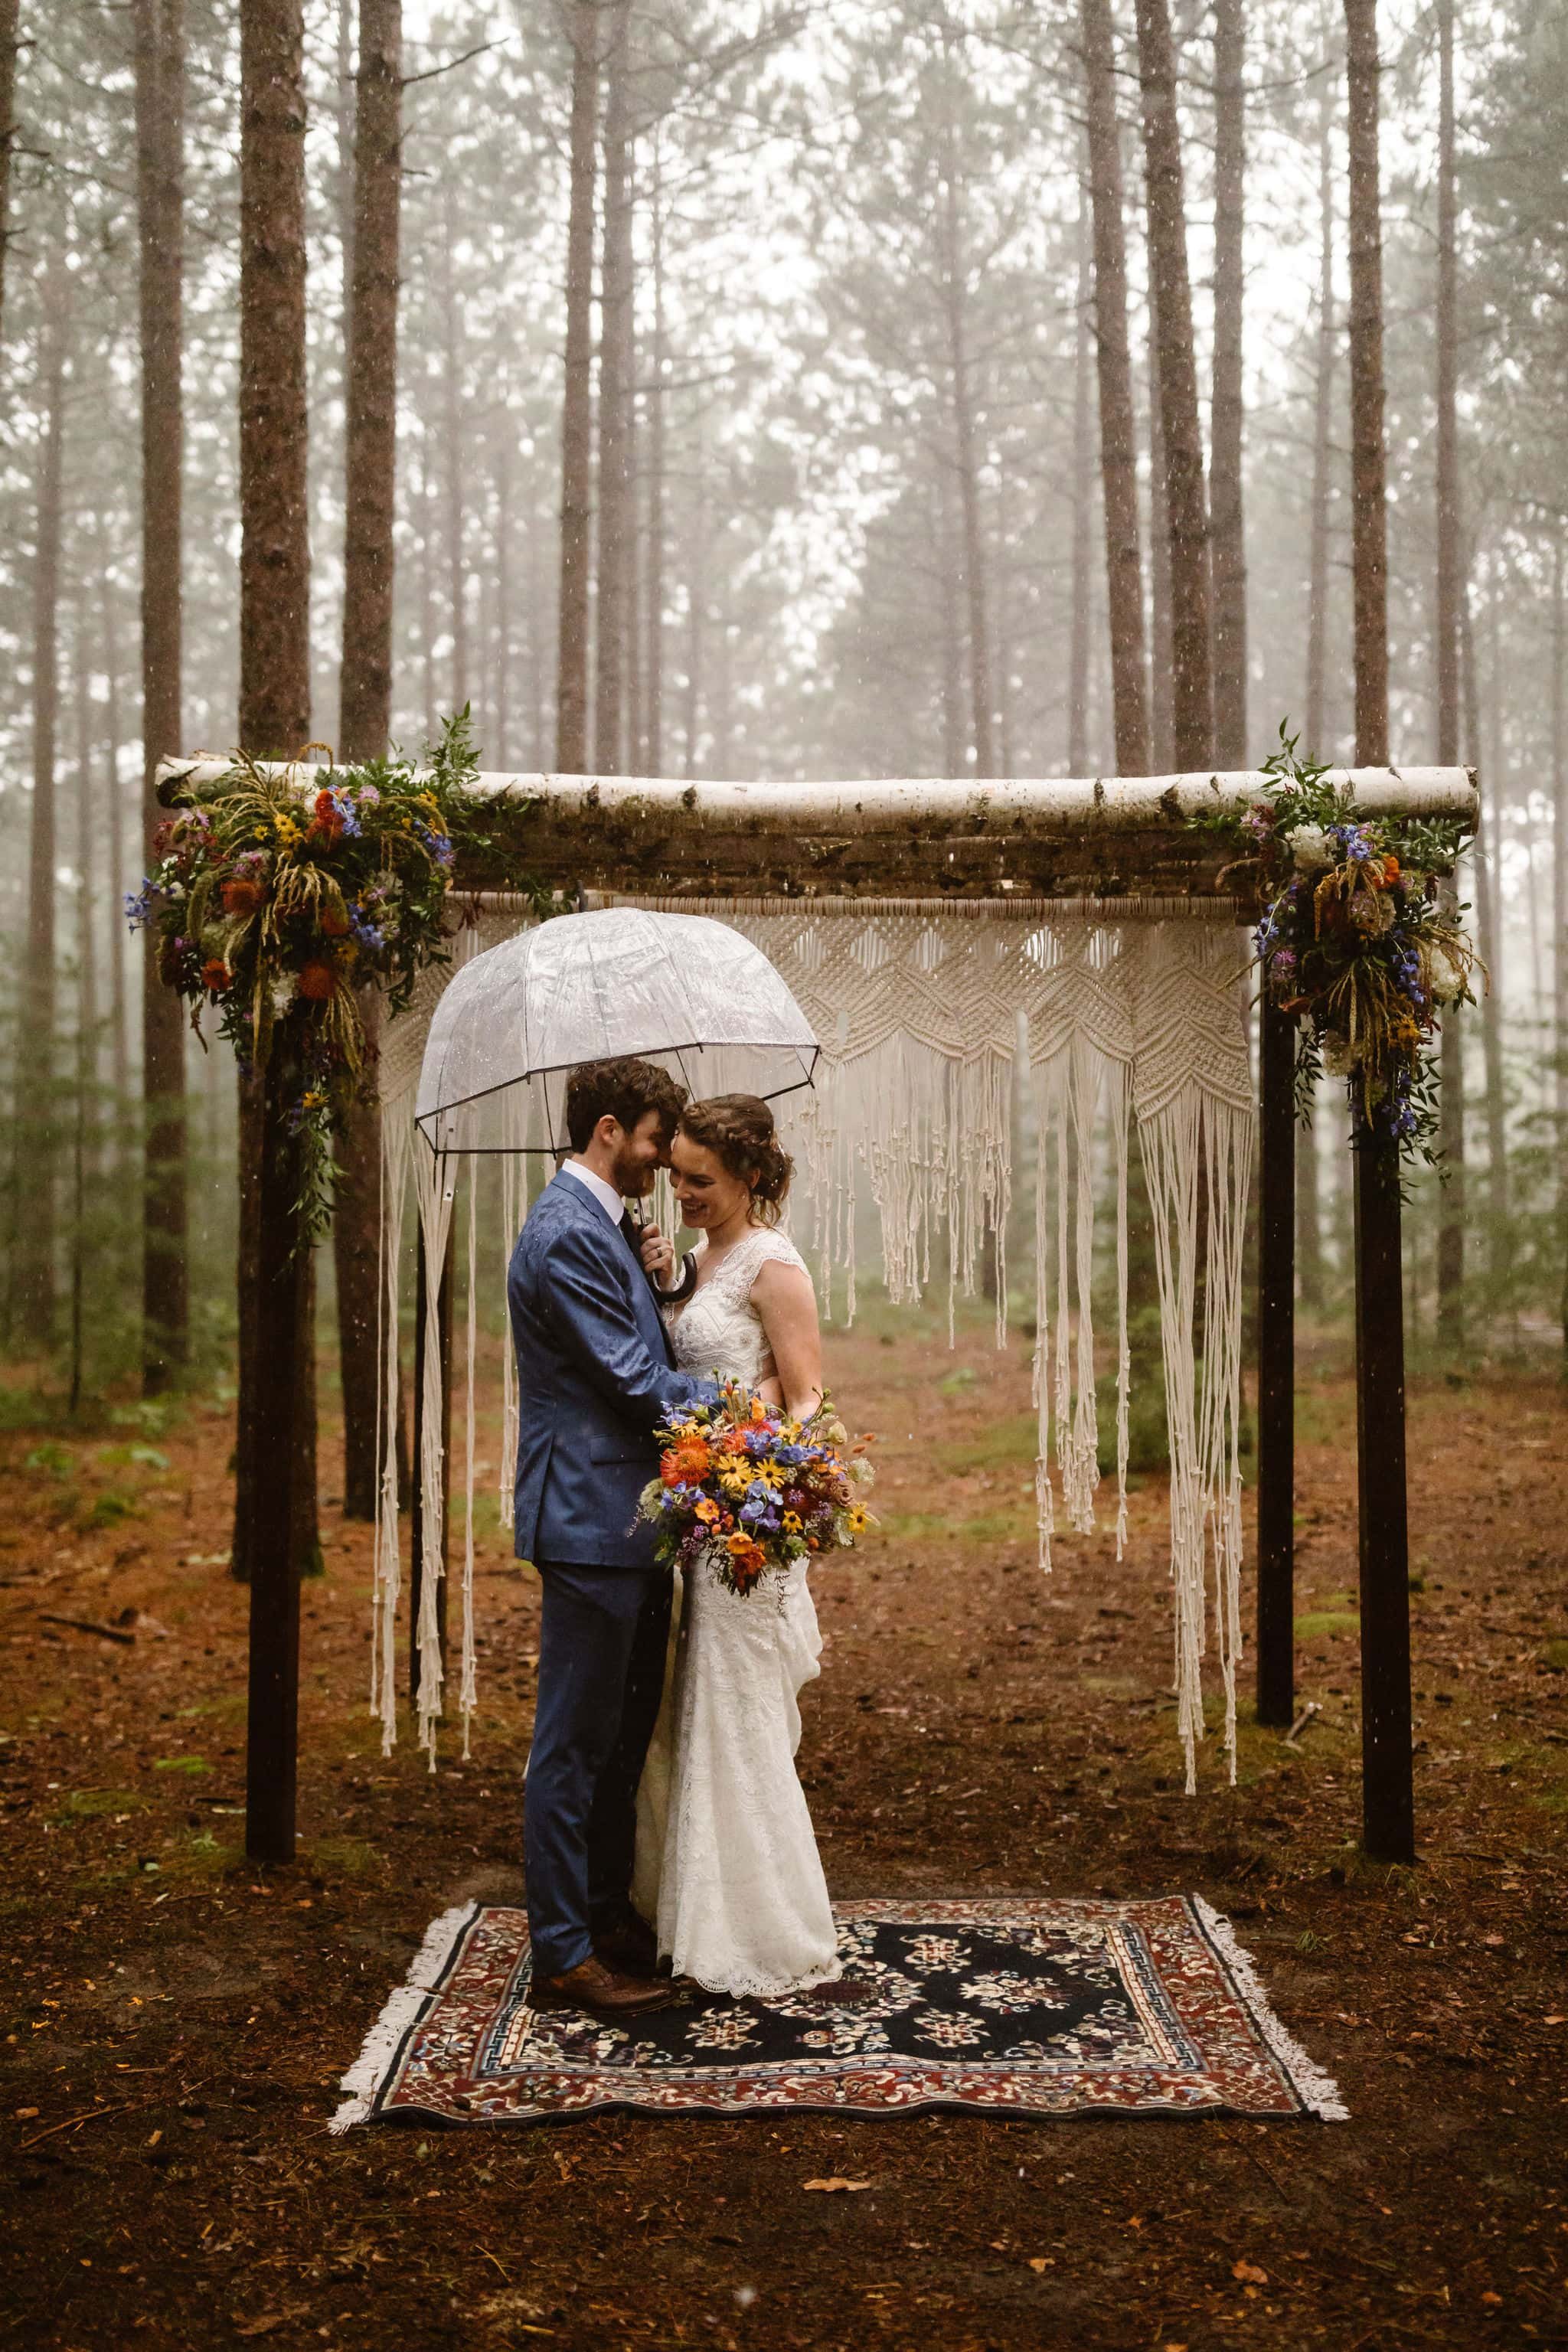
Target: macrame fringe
x=926 y=1021
x=1318 y=2091
x=405 y=2007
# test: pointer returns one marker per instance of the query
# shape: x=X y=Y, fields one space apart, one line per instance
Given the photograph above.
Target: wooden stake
x=272 y=1721
x=1276 y=1366
x=1388 y=1805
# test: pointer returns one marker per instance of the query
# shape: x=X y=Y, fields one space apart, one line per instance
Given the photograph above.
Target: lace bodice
x=718 y=1329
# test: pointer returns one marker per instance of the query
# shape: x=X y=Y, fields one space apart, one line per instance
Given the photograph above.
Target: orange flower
x=1390 y=871
x=317 y=982
x=669 y=1469
x=241 y=897
x=759 y=1409
x=707 y=1511
x=692 y=1460
x=334 y=922
x=216 y=975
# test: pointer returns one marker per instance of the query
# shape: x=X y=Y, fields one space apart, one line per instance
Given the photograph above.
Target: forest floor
x=175 y=2022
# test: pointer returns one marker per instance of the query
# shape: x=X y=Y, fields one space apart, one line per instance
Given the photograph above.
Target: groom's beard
x=634 y=1179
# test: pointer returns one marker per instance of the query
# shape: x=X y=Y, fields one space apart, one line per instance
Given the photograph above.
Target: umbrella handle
x=684 y=1287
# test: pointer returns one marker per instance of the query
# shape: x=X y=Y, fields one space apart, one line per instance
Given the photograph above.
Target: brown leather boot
x=629 y=1945
x=602 y=1992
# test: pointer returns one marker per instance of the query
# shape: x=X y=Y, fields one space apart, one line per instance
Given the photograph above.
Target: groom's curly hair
x=623 y=1089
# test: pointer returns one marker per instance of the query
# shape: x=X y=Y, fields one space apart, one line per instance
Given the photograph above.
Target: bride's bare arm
x=783 y=1297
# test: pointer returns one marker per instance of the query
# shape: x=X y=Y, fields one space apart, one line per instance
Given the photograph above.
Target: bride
x=727 y=1866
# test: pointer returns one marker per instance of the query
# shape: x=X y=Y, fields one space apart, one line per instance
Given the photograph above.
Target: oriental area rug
x=1009 y=2007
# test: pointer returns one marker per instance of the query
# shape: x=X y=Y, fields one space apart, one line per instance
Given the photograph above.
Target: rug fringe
x=383 y=2042
x=1319 y=2092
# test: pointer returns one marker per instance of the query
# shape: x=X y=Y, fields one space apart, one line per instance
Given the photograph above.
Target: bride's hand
x=658 y=1255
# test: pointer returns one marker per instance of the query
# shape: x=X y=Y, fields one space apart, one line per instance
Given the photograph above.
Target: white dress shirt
x=608 y=1198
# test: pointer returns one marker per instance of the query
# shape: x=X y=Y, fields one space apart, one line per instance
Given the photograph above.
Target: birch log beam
x=1053 y=836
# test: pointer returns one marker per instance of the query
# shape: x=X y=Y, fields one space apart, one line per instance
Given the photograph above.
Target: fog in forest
x=832 y=402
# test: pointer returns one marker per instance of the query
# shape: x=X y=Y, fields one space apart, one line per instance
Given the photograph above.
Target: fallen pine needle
x=837 y=2183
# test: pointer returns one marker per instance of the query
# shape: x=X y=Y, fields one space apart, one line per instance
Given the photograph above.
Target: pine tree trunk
x=1229 y=551
x=504 y=628
x=344 y=176
x=9 y=13
x=114 y=799
x=577 y=403
x=452 y=469
x=966 y=450
x=1118 y=436
x=1484 y=876
x=36 y=1291
x=695 y=614
x=657 y=425
x=1162 y=651
x=1322 y=442
x=1450 y=1269
x=955 y=755
x=1190 y=653
x=1368 y=451
x=365 y=717
x=1083 y=503
x=615 y=401
x=160 y=198
x=274 y=624
x=1559 y=904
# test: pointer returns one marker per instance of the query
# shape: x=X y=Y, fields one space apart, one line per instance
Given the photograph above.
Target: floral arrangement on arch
x=753 y=1490
x=275 y=905
x=1357 y=939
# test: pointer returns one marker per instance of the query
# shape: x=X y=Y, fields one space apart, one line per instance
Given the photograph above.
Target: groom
x=594 y=1373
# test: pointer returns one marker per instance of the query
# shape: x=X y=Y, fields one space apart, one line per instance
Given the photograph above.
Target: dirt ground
x=175 y=2022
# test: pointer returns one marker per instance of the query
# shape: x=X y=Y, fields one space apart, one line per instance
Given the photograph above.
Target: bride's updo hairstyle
x=739 y=1131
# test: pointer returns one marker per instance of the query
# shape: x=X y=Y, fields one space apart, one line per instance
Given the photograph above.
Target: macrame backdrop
x=1114 y=1013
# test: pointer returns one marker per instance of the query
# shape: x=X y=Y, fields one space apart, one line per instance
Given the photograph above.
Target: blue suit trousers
x=602 y=1640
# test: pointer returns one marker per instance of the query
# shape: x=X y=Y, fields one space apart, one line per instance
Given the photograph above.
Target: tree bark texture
x=274 y=662
x=1162 y=657
x=966 y=452
x=371 y=450
x=1315 y=698
x=1229 y=547
x=275 y=556
x=1192 y=668
x=615 y=364
x=9 y=27
x=34 y=1303
x=577 y=401
x=1118 y=436
x=1451 y=1135
x=114 y=802
x=1082 y=501
x=1560 y=900
x=160 y=47
x=1369 y=457
x=657 y=435
x=371 y=421
x=454 y=469
x=1484 y=877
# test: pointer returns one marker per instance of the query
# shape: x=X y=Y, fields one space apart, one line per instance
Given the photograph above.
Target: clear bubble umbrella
x=681 y=990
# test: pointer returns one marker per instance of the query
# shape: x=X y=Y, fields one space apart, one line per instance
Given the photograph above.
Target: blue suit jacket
x=593 y=1374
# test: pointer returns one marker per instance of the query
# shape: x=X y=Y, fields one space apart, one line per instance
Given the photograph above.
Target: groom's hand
x=658 y=1255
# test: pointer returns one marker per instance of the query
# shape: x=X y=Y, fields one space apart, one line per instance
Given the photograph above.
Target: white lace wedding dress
x=727 y=1866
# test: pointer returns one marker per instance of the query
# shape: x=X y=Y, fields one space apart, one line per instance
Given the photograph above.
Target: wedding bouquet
x=752 y=1490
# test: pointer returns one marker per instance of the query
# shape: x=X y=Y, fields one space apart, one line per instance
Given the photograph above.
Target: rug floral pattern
x=1018 y=2006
